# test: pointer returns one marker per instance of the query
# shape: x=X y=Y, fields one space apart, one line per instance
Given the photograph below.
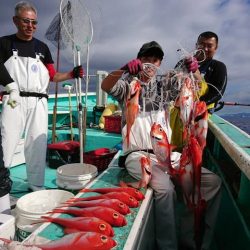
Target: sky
x=121 y=27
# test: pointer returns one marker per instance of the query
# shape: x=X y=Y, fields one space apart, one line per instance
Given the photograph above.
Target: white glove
x=14 y=97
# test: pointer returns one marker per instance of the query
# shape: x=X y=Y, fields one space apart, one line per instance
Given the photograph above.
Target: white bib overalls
x=29 y=118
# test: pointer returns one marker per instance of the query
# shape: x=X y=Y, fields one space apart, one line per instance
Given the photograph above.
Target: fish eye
x=102 y=227
x=104 y=238
x=121 y=204
x=115 y=215
x=160 y=129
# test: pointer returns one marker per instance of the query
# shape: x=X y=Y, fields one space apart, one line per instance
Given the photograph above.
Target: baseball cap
x=151 y=49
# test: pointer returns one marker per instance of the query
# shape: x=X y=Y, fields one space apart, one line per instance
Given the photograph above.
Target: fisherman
x=211 y=72
x=119 y=84
x=26 y=67
x=211 y=76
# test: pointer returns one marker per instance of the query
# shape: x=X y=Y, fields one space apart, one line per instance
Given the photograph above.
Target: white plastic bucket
x=75 y=176
x=32 y=206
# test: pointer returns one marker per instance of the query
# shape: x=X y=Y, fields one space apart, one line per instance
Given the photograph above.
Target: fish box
x=62 y=153
x=113 y=124
x=100 y=157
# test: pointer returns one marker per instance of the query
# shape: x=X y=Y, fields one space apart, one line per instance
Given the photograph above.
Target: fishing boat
x=227 y=153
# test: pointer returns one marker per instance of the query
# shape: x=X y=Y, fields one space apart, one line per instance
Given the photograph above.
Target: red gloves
x=77 y=72
x=133 y=67
x=191 y=64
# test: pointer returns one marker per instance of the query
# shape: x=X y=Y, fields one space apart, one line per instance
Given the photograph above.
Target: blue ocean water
x=241 y=120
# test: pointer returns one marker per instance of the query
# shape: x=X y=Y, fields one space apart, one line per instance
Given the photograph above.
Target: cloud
x=121 y=27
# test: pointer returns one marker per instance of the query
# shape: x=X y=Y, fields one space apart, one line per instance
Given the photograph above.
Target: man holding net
x=26 y=67
x=153 y=108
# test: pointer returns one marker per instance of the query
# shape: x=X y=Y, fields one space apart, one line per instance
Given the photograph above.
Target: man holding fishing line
x=210 y=74
x=26 y=68
x=135 y=87
x=210 y=71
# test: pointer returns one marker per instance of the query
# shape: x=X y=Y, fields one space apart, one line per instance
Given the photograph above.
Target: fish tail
x=57 y=210
x=85 y=190
x=70 y=230
x=47 y=218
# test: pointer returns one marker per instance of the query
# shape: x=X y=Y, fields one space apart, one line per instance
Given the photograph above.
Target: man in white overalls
x=26 y=67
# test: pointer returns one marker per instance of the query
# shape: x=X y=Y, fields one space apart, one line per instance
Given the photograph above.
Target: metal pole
x=80 y=115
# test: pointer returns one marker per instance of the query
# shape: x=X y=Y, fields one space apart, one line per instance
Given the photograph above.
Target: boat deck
x=139 y=221
x=228 y=150
x=96 y=138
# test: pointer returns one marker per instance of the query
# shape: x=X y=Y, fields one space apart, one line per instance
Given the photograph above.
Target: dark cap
x=151 y=49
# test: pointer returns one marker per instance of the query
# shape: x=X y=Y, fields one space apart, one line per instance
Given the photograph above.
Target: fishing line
x=210 y=84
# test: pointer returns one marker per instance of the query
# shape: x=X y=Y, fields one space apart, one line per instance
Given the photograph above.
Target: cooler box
x=100 y=157
x=62 y=153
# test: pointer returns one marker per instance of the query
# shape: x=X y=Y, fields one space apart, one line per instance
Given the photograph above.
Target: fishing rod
x=235 y=104
x=222 y=104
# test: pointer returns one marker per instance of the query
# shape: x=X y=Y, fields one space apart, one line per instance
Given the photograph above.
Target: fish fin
x=123 y=184
x=172 y=147
x=130 y=184
x=163 y=144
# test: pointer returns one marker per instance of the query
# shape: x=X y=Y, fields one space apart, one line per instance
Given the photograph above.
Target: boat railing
x=232 y=146
x=228 y=154
x=101 y=96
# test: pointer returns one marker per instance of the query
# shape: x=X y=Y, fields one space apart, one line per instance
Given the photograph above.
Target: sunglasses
x=28 y=21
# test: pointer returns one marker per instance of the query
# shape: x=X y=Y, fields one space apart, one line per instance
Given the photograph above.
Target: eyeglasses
x=27 y=20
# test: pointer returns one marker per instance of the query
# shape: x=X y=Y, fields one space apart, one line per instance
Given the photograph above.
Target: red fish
x=132 y=106
x=200 y=126
x=161 y=147
x=131 y=191
x=90 y=224
x=122 y=196
x=76 y=241
x=104 y=213
x=186 y=101
x=185 y=175
x=146 y=169
x=199 y=204
x=112 y=203
x=196 y=156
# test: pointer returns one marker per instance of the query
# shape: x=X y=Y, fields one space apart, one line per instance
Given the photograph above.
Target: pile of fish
x=91 y=228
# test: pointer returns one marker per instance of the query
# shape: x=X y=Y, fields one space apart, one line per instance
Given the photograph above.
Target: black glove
x=77 y=72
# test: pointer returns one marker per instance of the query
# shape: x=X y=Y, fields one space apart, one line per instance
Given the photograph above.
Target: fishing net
x=71 y=31
x=56 y=34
